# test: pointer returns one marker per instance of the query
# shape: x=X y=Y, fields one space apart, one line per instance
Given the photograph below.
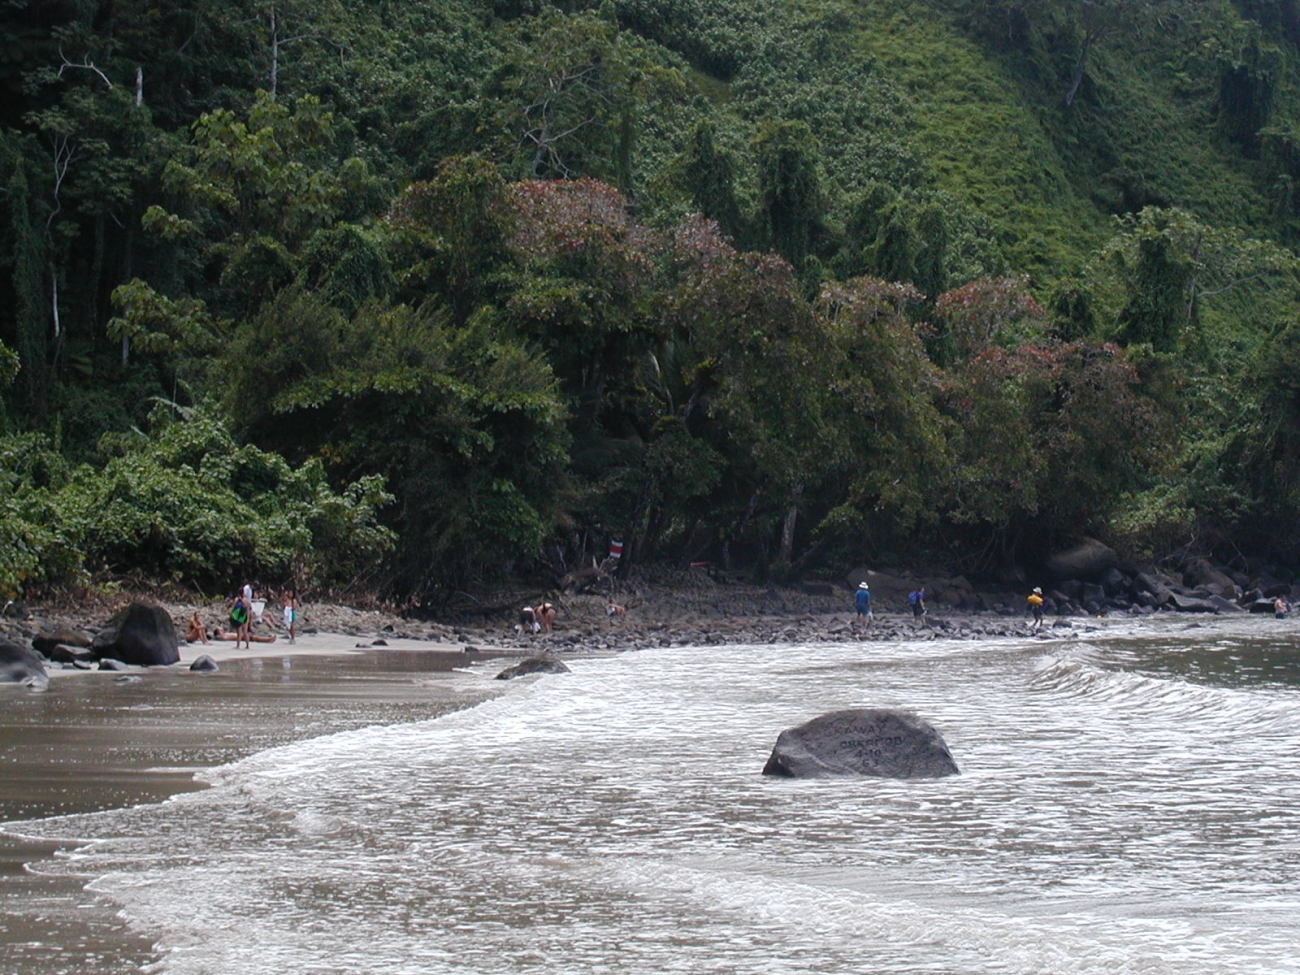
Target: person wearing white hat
x=863 y=602
x=1035 y=601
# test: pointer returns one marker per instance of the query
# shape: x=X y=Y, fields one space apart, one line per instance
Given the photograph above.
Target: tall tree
x=790 y=187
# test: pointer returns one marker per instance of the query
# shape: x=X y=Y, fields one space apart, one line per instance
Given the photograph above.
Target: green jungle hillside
x=410 y=295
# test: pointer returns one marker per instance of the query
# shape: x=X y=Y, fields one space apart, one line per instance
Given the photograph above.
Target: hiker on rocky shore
x=862 y=600
x=1035 y=601
x=916 y=598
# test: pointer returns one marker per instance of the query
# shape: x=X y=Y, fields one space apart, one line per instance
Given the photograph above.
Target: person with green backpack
x=241 y=615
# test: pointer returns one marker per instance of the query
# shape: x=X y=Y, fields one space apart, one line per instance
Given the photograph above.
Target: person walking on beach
x=917 y=600
x=1035 y=600
x=290 y=603
x=862 y=600
x=241 y=615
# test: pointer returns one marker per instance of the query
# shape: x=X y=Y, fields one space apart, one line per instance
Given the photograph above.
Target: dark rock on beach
x=63 y=654
x=877 y=742
x=142 y=634
x=18 y=665
x=204 y=662
x=45 y=641
x=543 y=664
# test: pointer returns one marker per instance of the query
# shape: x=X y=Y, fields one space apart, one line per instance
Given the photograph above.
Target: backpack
x=238 y=614
x=914 y=596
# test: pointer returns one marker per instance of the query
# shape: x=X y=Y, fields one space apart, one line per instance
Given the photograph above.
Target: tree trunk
x=1079 y=70
x=787 y=528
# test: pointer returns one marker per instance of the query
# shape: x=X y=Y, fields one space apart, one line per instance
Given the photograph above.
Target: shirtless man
x=546 y=616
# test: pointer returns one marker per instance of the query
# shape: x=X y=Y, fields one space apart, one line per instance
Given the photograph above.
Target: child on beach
x=290 y=603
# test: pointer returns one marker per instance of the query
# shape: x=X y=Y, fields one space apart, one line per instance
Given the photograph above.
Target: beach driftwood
x=879 y=742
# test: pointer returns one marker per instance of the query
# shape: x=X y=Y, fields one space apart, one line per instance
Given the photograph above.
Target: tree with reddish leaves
x=1050 y=438
x=984 y=313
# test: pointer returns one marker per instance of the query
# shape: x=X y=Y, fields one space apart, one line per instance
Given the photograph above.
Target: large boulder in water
x=142 y=634
x=543 y=664
x=18 y=665
x=880 y=742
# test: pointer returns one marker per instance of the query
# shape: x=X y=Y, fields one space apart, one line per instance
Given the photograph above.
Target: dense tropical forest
x=415 y=294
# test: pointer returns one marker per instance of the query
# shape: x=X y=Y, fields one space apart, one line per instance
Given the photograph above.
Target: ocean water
x=1126 y=805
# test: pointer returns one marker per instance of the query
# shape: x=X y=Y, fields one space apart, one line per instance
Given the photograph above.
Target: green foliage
x=463 y=423
x=186 y=501
x=35 y=550
x=963 y=199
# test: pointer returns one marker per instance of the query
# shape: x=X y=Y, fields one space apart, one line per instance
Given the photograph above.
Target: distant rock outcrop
x=879 y=742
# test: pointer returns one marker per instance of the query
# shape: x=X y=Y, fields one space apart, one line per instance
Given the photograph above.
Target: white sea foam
x=1109 y=818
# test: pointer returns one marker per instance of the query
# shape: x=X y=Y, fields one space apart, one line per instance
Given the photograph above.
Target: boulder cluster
x=141 y=634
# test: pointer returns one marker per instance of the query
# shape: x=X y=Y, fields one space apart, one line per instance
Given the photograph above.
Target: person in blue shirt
x=863 y=602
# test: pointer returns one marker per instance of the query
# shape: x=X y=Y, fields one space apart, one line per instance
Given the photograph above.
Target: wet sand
x=102 y=739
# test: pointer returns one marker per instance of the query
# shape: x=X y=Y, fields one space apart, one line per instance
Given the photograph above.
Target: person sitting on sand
x=546 y=616
x=195 y=630
x=614 y=609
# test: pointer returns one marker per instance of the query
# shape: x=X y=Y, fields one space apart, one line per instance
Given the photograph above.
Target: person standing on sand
x=241 y=615
x=862 y=600
x=1035 y=600
x=290 y=603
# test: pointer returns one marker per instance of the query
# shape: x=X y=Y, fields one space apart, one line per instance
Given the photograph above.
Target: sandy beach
x=96 y=739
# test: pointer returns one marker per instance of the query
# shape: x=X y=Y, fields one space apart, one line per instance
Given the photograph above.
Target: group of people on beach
x=245 y=612
x=865 y=614
x=541 y=617
x=916 y=602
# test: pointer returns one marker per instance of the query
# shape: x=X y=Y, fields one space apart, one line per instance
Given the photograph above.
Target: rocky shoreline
x=696 y=607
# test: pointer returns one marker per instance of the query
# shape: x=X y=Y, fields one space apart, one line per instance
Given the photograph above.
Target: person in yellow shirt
x=1035 y=601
